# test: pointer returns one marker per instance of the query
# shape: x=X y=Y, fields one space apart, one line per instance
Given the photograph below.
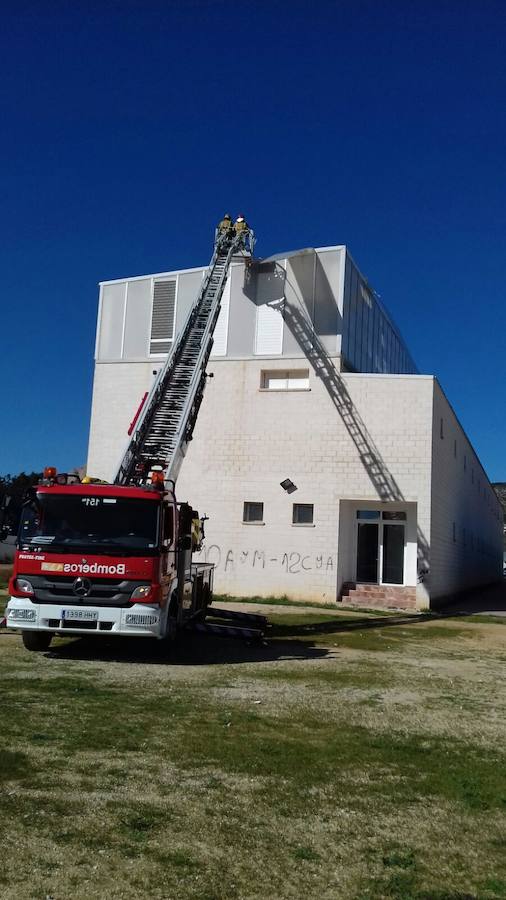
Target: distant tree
x=15 y=488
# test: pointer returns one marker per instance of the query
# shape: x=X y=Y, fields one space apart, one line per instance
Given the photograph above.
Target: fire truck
x=117 y=559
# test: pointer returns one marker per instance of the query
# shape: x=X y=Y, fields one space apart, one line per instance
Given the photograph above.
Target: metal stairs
x=166 y=423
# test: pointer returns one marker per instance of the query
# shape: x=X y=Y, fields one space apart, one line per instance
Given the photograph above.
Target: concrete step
x=378 y=596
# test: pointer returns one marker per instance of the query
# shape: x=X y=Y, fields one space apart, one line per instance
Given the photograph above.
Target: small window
x=303 y=514
x=465 y=462
x=394 y=516
x=455 y=449
x=368 y=514
x=441 y=432
x=283 y=380
x=253 y=512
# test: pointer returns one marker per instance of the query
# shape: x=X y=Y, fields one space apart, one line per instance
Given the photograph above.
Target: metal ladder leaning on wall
x=166 y=422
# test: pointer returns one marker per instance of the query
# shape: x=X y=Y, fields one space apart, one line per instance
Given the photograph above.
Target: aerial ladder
x=167 y=590
x=165 y=424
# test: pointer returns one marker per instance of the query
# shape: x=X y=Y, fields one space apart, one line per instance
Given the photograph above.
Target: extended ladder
x=168 y=417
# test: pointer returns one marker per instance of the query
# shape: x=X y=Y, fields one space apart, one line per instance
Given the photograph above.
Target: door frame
x=381 y=525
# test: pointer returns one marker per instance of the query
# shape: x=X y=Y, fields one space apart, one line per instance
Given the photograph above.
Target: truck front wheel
x=37 y=640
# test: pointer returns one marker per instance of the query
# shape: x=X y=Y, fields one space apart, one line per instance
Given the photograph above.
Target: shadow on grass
x=292 y=639
x=190 y=649
x=340 y=626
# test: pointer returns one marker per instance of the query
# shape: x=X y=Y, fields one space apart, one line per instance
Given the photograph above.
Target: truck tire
x=36 y=640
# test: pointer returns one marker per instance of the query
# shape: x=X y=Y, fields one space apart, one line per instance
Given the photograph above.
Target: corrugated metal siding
x=269 y=330
x=162 y=322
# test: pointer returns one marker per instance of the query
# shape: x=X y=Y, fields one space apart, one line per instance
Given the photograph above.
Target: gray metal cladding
x=160 y=346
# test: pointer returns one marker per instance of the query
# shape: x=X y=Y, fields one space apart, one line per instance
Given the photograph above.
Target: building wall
x=118 y=389
x=248 y=440
x=351 y=441
x=466 y=518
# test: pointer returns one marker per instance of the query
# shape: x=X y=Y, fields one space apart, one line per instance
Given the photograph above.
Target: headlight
x=24 y=586
x=141 y=592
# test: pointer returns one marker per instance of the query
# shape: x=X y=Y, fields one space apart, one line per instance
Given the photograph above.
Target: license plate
x=83 y=615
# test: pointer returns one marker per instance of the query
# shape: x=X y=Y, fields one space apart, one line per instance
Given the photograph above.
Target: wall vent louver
x=162 y=322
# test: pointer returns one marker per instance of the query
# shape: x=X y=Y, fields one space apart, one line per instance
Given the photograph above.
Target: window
x=441 y=432
x=253 y=512
x=394 y=516
x=283 y=380
x=303 y=514
x=368 y=514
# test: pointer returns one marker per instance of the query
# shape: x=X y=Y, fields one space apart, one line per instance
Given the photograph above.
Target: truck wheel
x=37 y=640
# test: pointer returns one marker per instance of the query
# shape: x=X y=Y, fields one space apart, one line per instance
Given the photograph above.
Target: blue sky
x=129 y=127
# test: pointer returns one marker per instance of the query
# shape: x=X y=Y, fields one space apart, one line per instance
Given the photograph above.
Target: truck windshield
x=90 y=523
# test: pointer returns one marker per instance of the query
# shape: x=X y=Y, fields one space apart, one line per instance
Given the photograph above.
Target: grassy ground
x=350 y=757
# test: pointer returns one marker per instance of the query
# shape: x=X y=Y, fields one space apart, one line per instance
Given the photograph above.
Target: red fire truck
x=116 y=559
x=103 y=558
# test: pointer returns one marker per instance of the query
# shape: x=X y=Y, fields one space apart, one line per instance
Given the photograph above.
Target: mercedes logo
x=81 y=587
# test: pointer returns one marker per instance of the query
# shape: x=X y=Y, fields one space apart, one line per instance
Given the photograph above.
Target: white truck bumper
x=140 y=619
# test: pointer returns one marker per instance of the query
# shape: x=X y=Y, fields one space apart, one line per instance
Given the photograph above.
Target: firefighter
x=225 y=229
x=243 y=232
x=241 y=226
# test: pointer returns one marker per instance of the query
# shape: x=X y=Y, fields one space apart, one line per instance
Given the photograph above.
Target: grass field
x=352 y=756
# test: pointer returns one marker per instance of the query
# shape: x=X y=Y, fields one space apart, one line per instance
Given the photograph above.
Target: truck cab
x=105 y=559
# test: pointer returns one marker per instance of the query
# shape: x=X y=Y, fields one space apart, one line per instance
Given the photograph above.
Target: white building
x=387 y=502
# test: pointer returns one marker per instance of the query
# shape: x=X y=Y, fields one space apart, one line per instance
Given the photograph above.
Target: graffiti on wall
x=289 y=562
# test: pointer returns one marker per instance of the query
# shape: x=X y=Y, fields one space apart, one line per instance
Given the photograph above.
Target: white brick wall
x=247 y=441
x=118 y=389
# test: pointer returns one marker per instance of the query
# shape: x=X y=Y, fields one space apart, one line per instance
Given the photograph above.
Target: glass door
x=392 y=569
x=380 y=546
x=367 y=552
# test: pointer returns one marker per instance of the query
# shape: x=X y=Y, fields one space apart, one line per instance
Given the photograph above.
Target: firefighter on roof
x=243 y=233
x=241 y=226
x=224 y=230
x=225 y=225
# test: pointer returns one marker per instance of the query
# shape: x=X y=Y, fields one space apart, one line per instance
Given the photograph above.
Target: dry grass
x=351 y=757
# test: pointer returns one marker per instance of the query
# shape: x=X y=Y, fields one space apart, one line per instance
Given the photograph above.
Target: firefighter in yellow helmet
x=224 y=230
x=225 y=225
x=241 y=226
x=243 y=233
